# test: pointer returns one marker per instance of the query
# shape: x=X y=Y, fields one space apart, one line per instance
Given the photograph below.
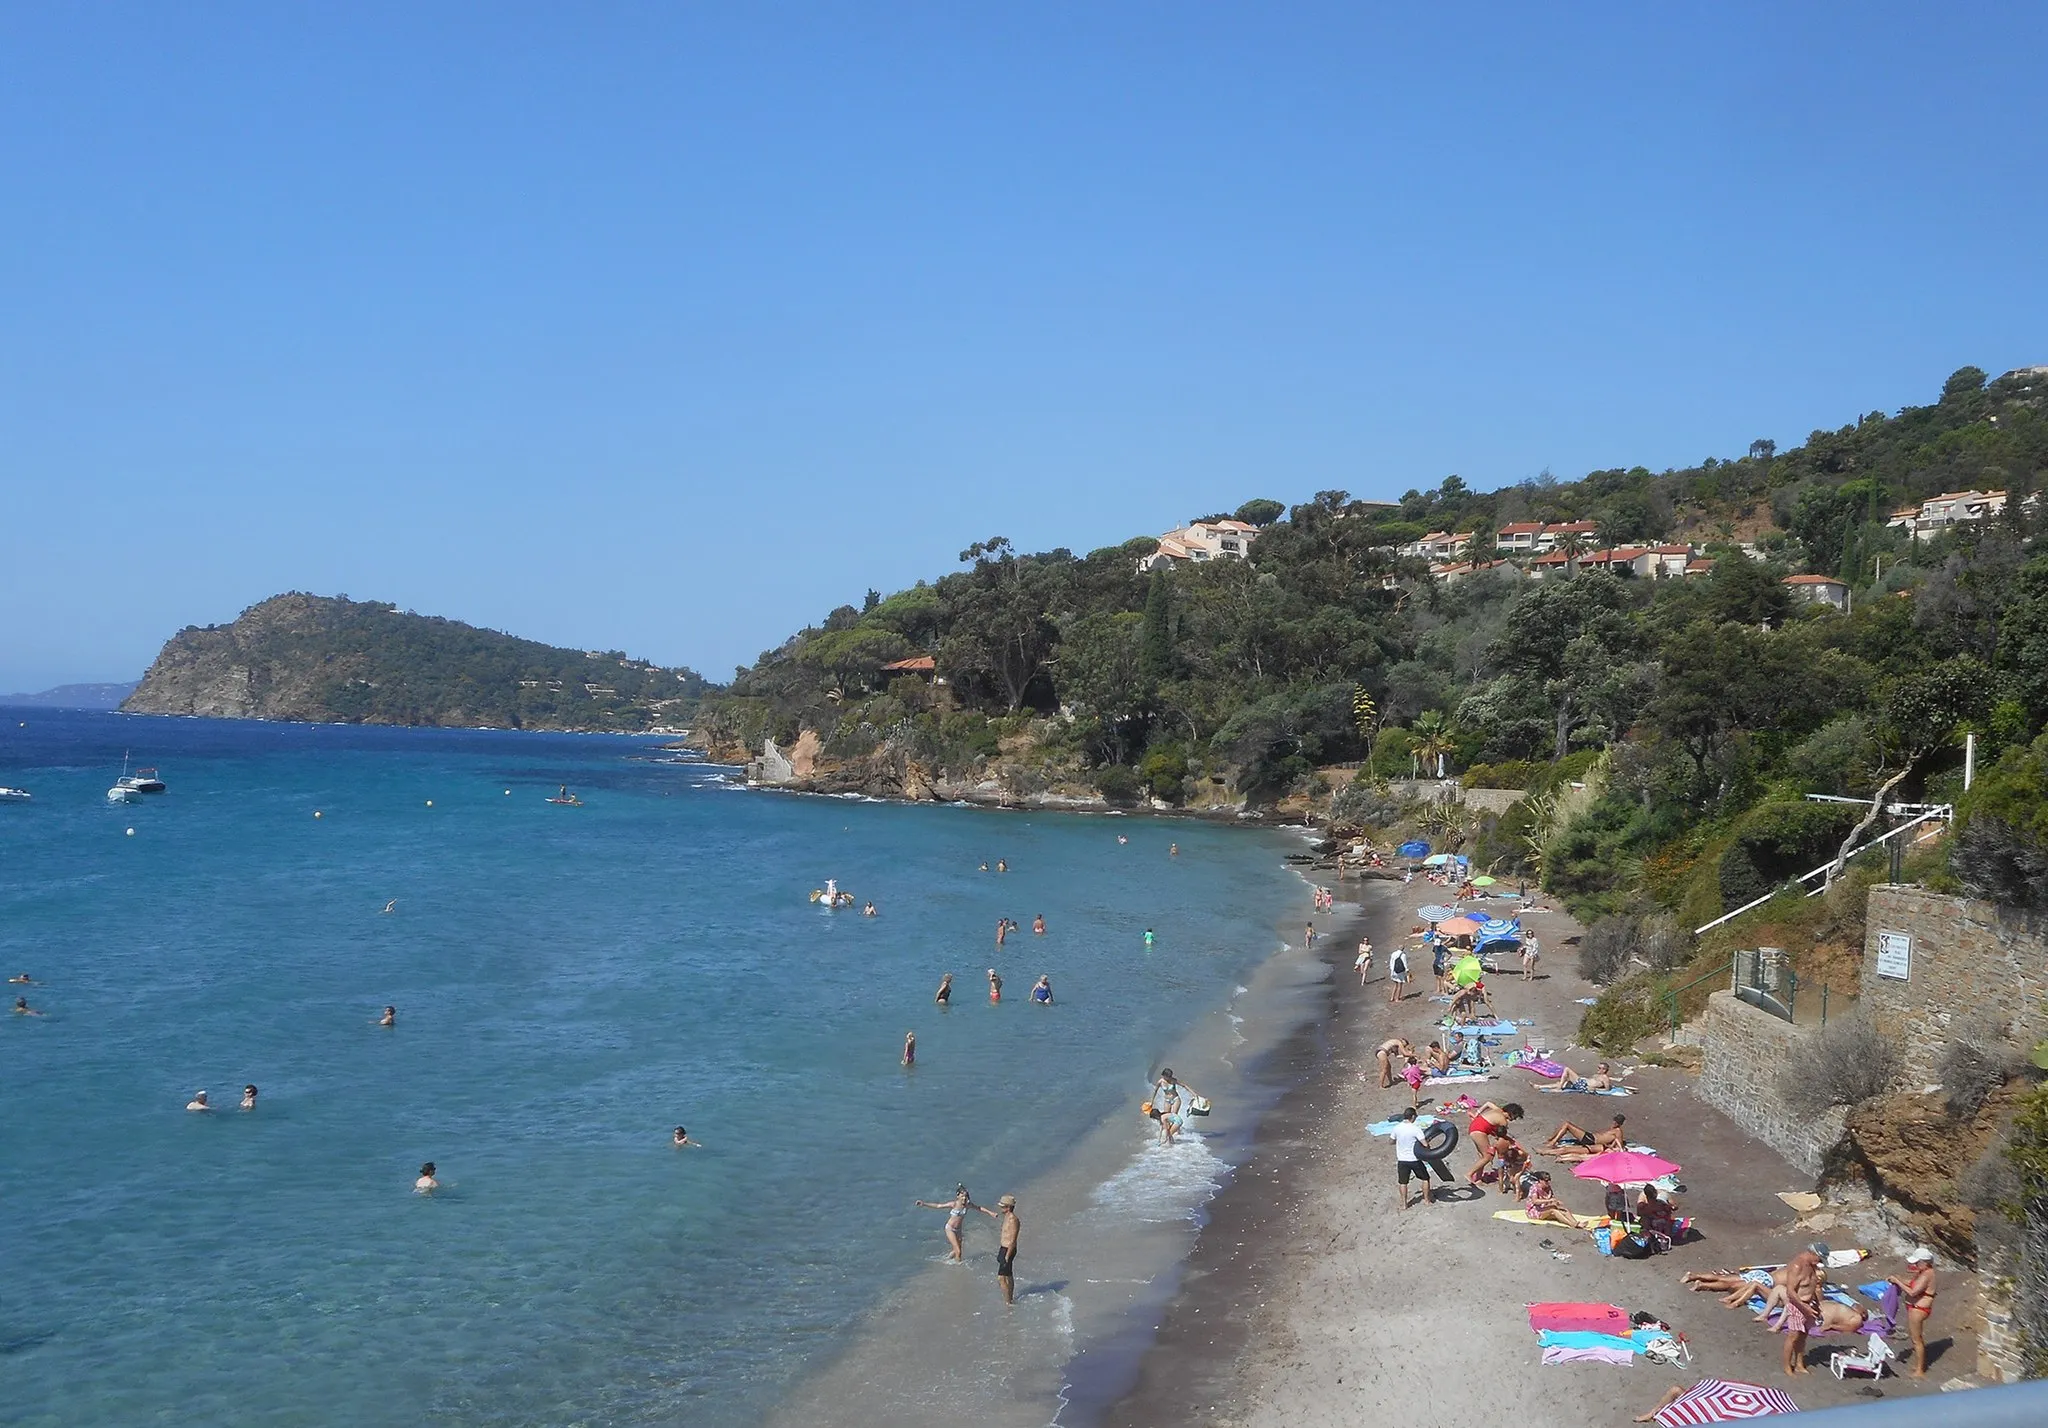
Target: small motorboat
x=129 y=787
x=14 y=795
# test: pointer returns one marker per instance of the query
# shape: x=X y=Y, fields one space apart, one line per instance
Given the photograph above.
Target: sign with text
x=1894 y=955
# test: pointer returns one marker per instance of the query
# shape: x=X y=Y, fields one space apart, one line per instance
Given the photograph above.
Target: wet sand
x=1312 y=1299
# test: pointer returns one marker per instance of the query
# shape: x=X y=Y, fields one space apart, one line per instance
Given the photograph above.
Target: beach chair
x=1871 y=1361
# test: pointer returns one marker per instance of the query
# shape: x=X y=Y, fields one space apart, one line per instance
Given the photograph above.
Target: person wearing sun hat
x=1916 y=1296
x=1007 y=1226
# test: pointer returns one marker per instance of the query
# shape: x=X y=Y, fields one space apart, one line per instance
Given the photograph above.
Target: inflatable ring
x=1439 y=1140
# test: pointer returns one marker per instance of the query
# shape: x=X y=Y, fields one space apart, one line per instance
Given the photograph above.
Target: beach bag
x=1634 y=1247
x=1617 y=1203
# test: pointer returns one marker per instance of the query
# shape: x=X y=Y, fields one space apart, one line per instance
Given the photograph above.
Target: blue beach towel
x=1583 y=1339
x=1387 y=1127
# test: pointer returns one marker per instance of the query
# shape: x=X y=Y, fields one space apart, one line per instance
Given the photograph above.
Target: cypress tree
x=1155 y=656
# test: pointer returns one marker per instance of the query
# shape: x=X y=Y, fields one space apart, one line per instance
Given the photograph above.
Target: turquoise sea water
x=571 y=984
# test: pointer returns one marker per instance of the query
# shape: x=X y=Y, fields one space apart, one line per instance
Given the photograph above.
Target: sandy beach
x=1311 y=1298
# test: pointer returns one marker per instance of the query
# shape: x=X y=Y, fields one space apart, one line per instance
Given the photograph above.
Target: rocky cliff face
x=333 y=660
x=244 y=670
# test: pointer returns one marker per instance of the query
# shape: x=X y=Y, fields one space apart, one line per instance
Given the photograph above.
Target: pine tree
x=1155 y=658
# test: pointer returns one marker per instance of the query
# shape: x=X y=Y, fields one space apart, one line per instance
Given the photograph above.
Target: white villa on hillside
x=1437 y=545
x=1536 y=538
x=1199 y=541
x=1950 y=508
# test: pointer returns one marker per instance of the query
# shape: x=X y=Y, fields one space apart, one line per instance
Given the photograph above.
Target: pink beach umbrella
x=1625 y=1167
x=1715 y=1400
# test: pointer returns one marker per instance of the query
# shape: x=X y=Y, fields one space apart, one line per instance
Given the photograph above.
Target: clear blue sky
x=669 y=327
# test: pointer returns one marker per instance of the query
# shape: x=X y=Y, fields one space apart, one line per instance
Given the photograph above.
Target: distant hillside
x=74 y=696
x=341 y=661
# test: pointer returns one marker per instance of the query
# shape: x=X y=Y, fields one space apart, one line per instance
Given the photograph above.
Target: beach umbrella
x=1415 y=849
x=1718 y=1400
x=1467 y=971
x=1484 y=882
x=1435 y=912
x=1497 y=927
x=1625 y=1167
x=1434 y=859
x=1460 y=926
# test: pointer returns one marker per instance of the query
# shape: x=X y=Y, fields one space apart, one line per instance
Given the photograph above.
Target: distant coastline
x=94 y=697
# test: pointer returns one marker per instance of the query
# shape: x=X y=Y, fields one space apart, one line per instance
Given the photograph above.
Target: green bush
x=2000 y=851
x=1118 y=784
x=1164 y=771
x=1514 y=773
x=1626 y=1013
x=1777 y=841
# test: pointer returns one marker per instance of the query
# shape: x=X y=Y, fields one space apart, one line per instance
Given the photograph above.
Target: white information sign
x=1894 y=955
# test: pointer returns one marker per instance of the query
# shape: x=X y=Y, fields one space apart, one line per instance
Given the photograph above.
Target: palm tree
x=1571 y=543
x=1433 y=739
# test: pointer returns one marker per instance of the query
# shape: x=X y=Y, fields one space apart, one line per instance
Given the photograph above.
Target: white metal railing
x=1942 y=811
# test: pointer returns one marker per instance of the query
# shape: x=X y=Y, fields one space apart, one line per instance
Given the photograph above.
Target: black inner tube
x=1440 y=1140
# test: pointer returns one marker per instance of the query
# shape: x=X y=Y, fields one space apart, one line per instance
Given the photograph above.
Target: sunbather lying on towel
x=1737 y=1284
x=1574 y=1143
x=1570 y=1080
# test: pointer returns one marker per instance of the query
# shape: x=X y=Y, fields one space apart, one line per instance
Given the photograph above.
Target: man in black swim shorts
x=1005 y=1216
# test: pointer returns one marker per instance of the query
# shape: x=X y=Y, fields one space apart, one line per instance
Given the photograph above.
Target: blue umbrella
x=1495 y=929
x=1413 y=850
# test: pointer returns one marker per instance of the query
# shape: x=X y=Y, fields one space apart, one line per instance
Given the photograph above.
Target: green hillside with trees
x=1692 y=713
x=336 y=660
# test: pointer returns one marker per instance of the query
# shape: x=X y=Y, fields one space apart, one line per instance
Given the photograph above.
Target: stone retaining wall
x=1743 y=1054
x=1970 y=967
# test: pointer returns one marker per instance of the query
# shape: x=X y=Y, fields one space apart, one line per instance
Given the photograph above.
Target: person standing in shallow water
x=956 y=1216
x=1007 y=1227
x=1002 y=930
x=995 y=987
x=390 y=1017
x=910 y=1048
x=944 y=996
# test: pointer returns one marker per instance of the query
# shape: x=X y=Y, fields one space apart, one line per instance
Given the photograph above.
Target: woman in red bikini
x=1489 y=1121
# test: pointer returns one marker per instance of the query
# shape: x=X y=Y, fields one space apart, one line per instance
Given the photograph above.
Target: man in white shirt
x=1412 y=1161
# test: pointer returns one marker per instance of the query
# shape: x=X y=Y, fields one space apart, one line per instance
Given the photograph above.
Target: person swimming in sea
x=910 y=1048
x=426 y=1184
x=22 y=1008
x=1038 y=925
x=995 y=987
x=24 y=979
x=1173 y=850
x=682 y=1138
x=983 y=868
x=956 y=1217
x=1002 y=865
x=1148 y=937
x=249 y=1097
x=198 y=1102
x=390 y=1017
x=868 y=911
x=944 y=995
x=1041 y=992
x=1121 y=840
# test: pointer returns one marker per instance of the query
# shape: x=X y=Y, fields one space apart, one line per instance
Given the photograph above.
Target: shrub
x=1360 y=804
x=1662 y=943
x=1970 y=1071
x=1847 y=1064
x=1606 y=949
x=1117 y=783
x=1779 y=841
x=1625 y=1014
x=1164 y=769
x=2000 y=850
x=1514 y=773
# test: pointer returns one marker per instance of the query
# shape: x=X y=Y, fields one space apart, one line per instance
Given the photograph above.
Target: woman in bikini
x=1916 y=1297
x=1487 y=1123
x=956 y=1215
x=1390 y=1048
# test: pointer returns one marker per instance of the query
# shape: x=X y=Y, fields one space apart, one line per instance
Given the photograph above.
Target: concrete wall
x=1743 y=1054
x=1493 y=800
x=1973 y=966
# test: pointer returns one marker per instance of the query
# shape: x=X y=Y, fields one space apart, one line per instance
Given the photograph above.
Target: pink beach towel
x=1598 y=1318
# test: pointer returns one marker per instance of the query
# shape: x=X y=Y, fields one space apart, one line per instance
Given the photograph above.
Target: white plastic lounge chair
x=1871 y=1361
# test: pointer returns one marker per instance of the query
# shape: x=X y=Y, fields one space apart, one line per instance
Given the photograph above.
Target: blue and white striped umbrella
x=1436 y=912
x=1496 y=929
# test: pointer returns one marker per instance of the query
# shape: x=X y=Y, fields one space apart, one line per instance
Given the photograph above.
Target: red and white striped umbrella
x=1715 y=1400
